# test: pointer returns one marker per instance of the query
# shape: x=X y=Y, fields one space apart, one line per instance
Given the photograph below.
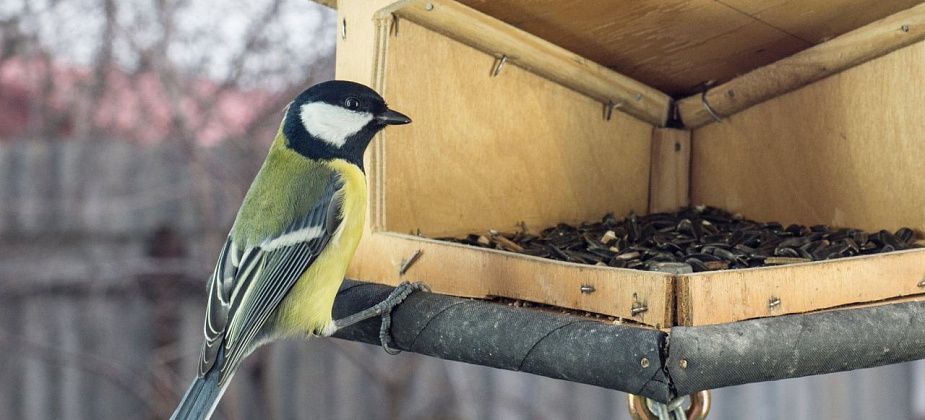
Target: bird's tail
x=203 y=394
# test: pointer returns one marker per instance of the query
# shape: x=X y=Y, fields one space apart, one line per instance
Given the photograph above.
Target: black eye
x=352 y=103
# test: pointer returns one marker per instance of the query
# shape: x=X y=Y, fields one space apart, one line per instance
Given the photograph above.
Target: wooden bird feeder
x=557 y=112
x=809 y=112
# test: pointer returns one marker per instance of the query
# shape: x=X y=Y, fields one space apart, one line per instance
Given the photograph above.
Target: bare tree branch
x=85 y=111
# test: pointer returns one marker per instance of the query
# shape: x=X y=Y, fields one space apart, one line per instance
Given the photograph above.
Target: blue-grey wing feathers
x=250 y=281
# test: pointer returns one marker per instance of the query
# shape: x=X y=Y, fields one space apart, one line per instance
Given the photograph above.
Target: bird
x=295 y=233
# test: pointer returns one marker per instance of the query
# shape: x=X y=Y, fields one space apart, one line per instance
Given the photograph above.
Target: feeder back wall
x=848 y=150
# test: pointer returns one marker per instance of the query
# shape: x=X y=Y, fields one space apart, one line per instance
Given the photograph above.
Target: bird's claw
x=398 y=295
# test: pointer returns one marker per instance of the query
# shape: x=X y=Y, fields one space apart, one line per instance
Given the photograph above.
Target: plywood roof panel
x=677 y=45
x=818 y=21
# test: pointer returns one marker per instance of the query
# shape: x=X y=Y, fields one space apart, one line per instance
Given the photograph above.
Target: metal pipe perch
x=639 y=360
x=544 y=343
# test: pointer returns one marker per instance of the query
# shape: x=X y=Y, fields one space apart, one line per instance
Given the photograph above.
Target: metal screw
x=904 y=28
x=587 y=289
x=683 y=363
x=922 y=283
x=677 y=147
x=429 y=6
x=773 y=302
x=731 y=93
x=638 y=96
x=406 y=263
x=638 y=308
x=644 y=362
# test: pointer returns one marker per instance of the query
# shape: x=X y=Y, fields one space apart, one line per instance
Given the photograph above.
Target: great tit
x=293 y=237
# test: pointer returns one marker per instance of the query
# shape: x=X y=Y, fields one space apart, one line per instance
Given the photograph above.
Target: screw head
x=683 y=363
x=904 y=28
x=644 y=362
x=429 y=7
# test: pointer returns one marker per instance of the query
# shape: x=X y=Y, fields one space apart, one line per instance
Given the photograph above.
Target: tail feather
x=203 y=394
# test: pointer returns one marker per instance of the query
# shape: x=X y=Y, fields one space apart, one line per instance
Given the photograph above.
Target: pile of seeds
x=703 y=238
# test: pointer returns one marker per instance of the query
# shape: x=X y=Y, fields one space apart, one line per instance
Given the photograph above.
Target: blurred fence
x=104 y=248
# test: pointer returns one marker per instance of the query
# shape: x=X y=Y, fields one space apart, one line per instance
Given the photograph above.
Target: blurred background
x=129 y=132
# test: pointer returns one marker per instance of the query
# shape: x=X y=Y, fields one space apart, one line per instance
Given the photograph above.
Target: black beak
x=390 y=117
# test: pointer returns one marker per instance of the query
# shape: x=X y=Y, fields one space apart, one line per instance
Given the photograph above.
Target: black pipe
x=639 y=360
x=791 y=346
x=536 y=341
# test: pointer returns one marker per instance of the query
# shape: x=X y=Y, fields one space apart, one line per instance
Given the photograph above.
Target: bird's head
x=336 y=120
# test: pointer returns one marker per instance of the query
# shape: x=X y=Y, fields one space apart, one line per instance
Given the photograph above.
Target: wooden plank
x=356 y=51
x=357 y=58
x=676 y=45
x=669 y=183
x=534 y=54
x=848 y=50
x=734 y=295
x=821 y=20
x=890 y=301
x=461 y=270
x=38 y=375
x=489 y=152
x=845 y=151
x=672 y=45
x=13 y=369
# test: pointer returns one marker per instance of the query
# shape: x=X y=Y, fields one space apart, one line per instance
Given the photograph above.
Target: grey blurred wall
x=104 y=248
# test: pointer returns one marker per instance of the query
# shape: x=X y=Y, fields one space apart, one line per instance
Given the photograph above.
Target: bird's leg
x=383 y=309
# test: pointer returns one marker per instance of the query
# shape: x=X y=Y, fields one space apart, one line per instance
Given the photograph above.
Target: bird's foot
x=401 y=292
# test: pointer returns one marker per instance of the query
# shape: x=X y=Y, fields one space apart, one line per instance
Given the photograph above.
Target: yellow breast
x=307 y=307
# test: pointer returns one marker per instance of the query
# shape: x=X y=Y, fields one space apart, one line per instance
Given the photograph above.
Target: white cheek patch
x=332 y=124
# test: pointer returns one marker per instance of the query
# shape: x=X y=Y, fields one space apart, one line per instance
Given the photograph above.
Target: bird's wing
x=249 y=283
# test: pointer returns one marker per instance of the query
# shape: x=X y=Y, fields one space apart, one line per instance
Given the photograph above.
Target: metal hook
x=499 y=63
x=706 y=105
x=393 y=26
